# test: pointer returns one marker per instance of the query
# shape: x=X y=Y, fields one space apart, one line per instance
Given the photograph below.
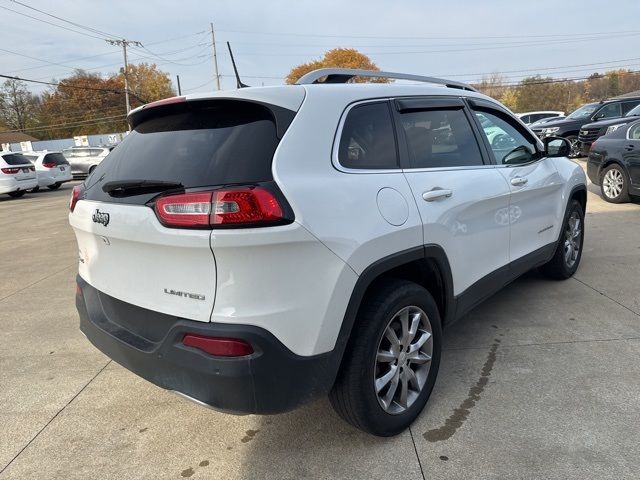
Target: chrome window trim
x=629 y=128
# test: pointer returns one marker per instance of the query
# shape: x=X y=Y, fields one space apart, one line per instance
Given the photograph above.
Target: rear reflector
x=250 y=206
x=218 y=346
x=10 y=171
x=75 y=196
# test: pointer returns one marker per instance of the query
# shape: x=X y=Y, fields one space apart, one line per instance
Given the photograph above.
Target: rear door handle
x=436 y=193
x=518 y=181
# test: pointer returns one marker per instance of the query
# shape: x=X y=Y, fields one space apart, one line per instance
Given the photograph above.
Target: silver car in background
x=84 y=159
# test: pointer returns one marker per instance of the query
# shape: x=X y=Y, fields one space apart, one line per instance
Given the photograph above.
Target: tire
x=575 y=150
x=354 y=395
x=566 y=258
x=55 y=186
x=614 y=184
x=17 y=194
x=35 y=189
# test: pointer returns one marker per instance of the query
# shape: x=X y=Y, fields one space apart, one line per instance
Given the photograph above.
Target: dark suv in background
x=590 y=132
x=570 y=126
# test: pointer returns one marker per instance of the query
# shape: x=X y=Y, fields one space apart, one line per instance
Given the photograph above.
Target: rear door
x=124 y=250
x=462 y=198
x=536 y=185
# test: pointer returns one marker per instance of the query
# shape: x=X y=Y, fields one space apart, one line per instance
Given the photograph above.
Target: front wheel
x=568 y=253
x=575 y=146
x=392 y=360
x=17 y=194
x=55 y=186
x=614 y=185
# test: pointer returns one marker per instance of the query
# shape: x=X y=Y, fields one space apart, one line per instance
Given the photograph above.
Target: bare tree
x=18 y=107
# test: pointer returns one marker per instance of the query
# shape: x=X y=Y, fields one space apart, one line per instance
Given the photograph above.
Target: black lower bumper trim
x=271 y=380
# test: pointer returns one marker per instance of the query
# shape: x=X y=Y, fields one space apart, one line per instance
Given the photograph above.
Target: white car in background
x=17 y=175
x=52 y=169
x=531 y=117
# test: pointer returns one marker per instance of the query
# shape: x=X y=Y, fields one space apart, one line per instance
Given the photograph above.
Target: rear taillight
x=218 y=346
x=76 y=193
x=49 y=165
x=249 y=206
x=10 y=171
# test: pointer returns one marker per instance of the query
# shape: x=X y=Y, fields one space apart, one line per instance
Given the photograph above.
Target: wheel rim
x=403 y=360
x=612 y=183
x=572 y=237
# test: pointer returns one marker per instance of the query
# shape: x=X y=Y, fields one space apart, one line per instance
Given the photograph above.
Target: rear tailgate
x=125 y=252
x=124 y=249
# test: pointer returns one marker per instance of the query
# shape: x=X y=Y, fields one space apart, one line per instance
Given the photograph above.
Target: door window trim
x=335 y=158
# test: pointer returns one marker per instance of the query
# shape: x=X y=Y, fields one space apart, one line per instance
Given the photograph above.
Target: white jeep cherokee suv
x=255 y=249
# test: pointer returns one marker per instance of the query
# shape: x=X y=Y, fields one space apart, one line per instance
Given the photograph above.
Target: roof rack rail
x=343 y=75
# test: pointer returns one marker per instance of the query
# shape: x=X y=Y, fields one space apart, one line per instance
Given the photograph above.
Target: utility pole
x=215 y=57
x=179 y=89
x=124 y=44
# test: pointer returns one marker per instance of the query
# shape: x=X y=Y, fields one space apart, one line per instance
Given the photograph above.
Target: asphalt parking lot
x=541 y=381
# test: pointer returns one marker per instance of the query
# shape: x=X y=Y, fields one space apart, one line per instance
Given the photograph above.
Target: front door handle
x=518 y=181
x=629 y=148
x=436 y=193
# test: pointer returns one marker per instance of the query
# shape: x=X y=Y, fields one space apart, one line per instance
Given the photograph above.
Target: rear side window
x=440 y=138
x=215 y=143
x=367 y=140
x=634 y=132
x=56 y=158
x=15 y=159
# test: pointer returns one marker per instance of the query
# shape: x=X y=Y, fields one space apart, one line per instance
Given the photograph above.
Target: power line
x=69 y=124
x=64 y=85
x=51 y=23
x=437 y=37
x=84 y=27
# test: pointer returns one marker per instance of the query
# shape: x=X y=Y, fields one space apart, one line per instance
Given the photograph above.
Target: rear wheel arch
x=426 y=265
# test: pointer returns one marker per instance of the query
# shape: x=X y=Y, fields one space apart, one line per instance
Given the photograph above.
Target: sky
x=461 y=39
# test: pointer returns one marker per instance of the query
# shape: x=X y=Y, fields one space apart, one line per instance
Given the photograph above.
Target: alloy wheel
x=403 y=359
x=612 y=183
x=572 y=237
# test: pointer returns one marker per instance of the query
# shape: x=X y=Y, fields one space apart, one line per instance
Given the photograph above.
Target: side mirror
x=556 y=147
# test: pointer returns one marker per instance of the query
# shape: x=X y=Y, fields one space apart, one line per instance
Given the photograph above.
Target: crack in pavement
x=460 y=414
x=54 y=417
x=37 y=281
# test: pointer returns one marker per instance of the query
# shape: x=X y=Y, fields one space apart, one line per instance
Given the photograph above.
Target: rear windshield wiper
x=125 y=188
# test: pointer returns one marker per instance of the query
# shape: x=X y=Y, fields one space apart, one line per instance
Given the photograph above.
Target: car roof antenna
x=235 y=70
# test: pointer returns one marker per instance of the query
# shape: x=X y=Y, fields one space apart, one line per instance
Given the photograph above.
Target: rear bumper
x=10 y=184
x=593 y=171
x=271 y=380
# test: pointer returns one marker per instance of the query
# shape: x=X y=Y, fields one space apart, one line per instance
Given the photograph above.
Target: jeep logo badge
x=101 y=217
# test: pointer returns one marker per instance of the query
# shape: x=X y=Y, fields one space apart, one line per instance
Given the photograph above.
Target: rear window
x=56 y=158
x=77 y=152
x=15 y=159
x=216 y=143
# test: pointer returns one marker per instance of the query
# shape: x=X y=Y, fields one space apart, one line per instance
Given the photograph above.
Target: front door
x=463 y=199
x=536 y=185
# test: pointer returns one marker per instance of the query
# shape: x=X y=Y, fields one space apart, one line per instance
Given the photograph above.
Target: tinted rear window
x=217 y=143
x=15 y=159
x=56 y=158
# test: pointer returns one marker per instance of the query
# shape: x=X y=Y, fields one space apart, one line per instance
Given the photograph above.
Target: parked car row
x=529 y=118
x=29 y=171
x=589 y=122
